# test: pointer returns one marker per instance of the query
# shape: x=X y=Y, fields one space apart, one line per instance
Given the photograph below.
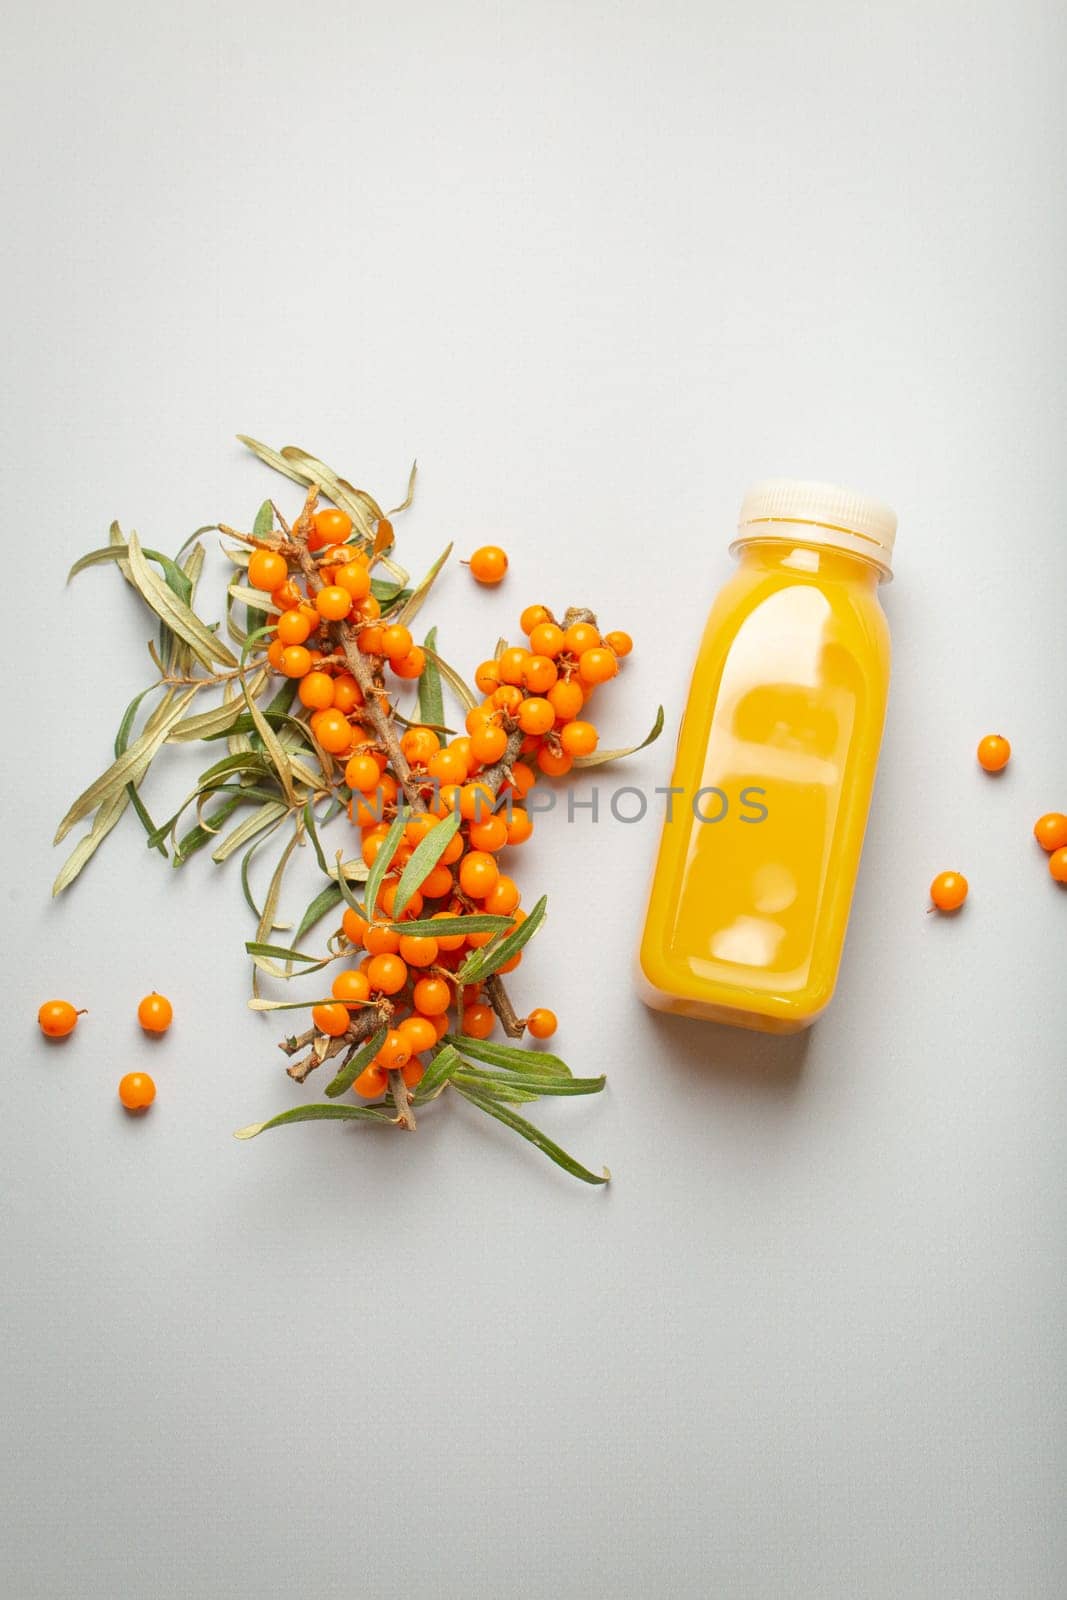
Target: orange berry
x=452 y=851
x=294 y=626
x=553 y=765
x=332 y=525
x=286 y=596
x=395 y=1051
x=478 y=716
x=333 y=603
x=994 y=752
x=578 y=738
x=419 y=1034
x=354 y=579
x=488 y=743
x=387 y=973
x=478 y=872
x=597 y=665
x=512 y=665
x=396 y=641
x=547 y=639
x=371 y=1082
x=437 y=883
x=57 y=1018
x=136 y=1091
x=536 y=715
x=949 y=890
x=351 y=985
x=331 y=1019
x=508 y=698
x=418 y=950
x=353 y=925
x=363 y=773
x=476 y=801
x=316 y=691
x=541 y=1023
x=490 y=834
x=387 y=897
x=447 y=766
x=488 y=564
x=370 y=639
x=1057 y=864
x=410 y=666
x=533 y=617
x=347 y=694
x=619 y=641
x=379 y=941
x=448 y=941
x=478 y=1021
x=155 y=1013
x=368 y=809
x=267 y=569
x=579 y=637
x=522 y=778
x=566 y=699
x=502 y=898
x=487 y=676
x=446 y=799
x=333 y=731
x=413 y=1073
x=541 y=673
x=518 y=826
x=295 y=661
x=275 y=652
x=419 y=744
x=1050 y=831
x=432 y=996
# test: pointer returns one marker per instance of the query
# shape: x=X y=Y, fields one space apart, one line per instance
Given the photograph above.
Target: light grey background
x=598 y=266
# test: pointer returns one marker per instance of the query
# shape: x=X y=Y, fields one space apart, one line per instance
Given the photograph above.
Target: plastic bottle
x=775 y=766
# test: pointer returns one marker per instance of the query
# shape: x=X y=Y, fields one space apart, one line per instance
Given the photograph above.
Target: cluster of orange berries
x=949 y=890
x=533 y=697
x=58 y=1018
x=345 y=596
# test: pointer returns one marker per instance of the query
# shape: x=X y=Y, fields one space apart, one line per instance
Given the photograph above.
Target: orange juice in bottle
x=775 y=766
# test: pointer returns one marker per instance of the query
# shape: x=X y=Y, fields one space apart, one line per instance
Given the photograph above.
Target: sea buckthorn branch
x=309 y=722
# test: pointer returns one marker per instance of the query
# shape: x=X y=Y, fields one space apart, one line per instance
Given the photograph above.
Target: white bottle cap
x=837 y=518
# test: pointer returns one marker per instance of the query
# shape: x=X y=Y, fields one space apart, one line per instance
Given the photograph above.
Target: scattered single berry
x=541 y=1023
x=136 y=1091
x=155 y=1013
x=994 y=752
x=1057 y=864
x=57 y=1018
x=488 y=564
x=948 y=891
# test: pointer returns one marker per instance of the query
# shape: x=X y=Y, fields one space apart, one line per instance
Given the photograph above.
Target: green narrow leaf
x=272 y=811
x=106 y=817
x=430 y=927
x=409 y=497
x=526 y=1130
x=203 y=833
x=326 y=900
x=431 y=699
x=425 y=856
x=599 y=757
x=263 y=526
x=318 y=1113
x=413 y=604
x=490 y=1082
x=491 y=957
x=220 y=719
x=128 y=768
x=122 y=739
x=275 y=753
x=354 y=1066
x=513 y=1057
x=445 y=1061
x=464 y=694
x=175 y=577
x=205 y=645
x=382 y=860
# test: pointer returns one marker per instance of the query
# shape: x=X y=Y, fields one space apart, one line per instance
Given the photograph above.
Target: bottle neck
x=805 y=559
